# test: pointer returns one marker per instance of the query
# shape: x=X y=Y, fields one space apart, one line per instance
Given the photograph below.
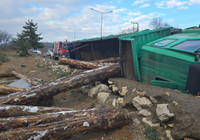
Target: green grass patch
x=61 y=74
x=151 y=133
x=3 y=57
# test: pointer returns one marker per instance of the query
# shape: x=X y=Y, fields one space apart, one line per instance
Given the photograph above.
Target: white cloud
x=137 y=2
x=172 y=4
x=134 y=13
x=195 y=1
x=145 y=5
x=175 y=3
x=160 y=4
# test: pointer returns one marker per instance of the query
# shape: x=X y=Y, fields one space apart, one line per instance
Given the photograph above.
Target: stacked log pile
x=34 y=122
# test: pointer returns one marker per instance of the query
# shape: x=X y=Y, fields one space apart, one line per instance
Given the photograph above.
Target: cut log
x=7 y=82
x=78 y=63
x=108 y=60
x=5 y=90
x=6 y=75
x=80 y=122
x=15 y=111
x=53 y=88
x=21 y=76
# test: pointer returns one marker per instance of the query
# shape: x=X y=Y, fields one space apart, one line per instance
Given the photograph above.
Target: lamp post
x=137 y=25
x=101 y=19
x=74 y=31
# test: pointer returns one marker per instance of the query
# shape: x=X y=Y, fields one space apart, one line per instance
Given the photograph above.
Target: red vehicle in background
x=60 y=49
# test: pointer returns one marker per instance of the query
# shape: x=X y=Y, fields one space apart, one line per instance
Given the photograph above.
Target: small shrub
x=151 y=133
x=3 y=57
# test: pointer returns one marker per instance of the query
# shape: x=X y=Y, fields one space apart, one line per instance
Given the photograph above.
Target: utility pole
x=101 y=30
x=73 y=29
x=137 y=25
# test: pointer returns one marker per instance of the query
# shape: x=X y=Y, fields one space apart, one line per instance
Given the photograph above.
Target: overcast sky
x=57 y=18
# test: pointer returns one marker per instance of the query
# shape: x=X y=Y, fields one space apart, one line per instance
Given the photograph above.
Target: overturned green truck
x=161 y=59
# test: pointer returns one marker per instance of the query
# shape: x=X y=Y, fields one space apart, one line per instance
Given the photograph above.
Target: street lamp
x=137 y=25
x=101 y=18
x=74 y=31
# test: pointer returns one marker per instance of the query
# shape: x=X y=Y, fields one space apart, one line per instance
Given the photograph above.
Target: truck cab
x=60 y=49
x=173 y=62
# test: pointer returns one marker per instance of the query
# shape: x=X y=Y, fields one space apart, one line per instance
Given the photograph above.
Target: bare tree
x=157 y=23
x=5 y=38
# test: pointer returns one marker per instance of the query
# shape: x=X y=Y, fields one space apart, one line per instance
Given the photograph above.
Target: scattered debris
x=144 y=112
x=124 y=91
x=141 y=93
x=139 y=102
x=114 y=89
x=136 y=122
x=149 y=123
x=23 y=65
x=163 y=112
x=102 y=96
x=168 y=133
x=99 y=88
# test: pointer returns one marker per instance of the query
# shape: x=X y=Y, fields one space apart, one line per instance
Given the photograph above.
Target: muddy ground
x=185 y=107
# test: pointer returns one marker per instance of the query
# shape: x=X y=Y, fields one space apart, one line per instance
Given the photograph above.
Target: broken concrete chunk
x=136 y=122
x=110 y=82
x=124 y=91
x=171 y=125
x=175 y=103
x=144 y=112
x=114 y=103
x=149 y=123
x=120 y=102
x=115 y=89
x=134 y=90
x=168 y=134
x=140 y=102
x=141 y=93
x=102 y=96
x=99 y=88
x=153 y=99
x=163 y=112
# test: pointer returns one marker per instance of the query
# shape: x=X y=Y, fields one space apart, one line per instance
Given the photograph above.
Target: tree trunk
x=5 y=90
x=53 y=88
x=108 y=60
x=21 y=110
x=6 y=75
x=78 y=63
x=68 y=125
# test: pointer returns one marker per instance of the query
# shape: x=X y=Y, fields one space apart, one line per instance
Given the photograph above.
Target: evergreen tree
x=29 y=31
x=28 y=39
x=22 y=44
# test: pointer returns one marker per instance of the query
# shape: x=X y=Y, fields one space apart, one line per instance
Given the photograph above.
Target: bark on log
x=108 y=60
x=78 y=63
x=15 y=111
x=5 y=90
x=50 y=89
x=7 y=82
x=6 y=75
x=84 y=122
